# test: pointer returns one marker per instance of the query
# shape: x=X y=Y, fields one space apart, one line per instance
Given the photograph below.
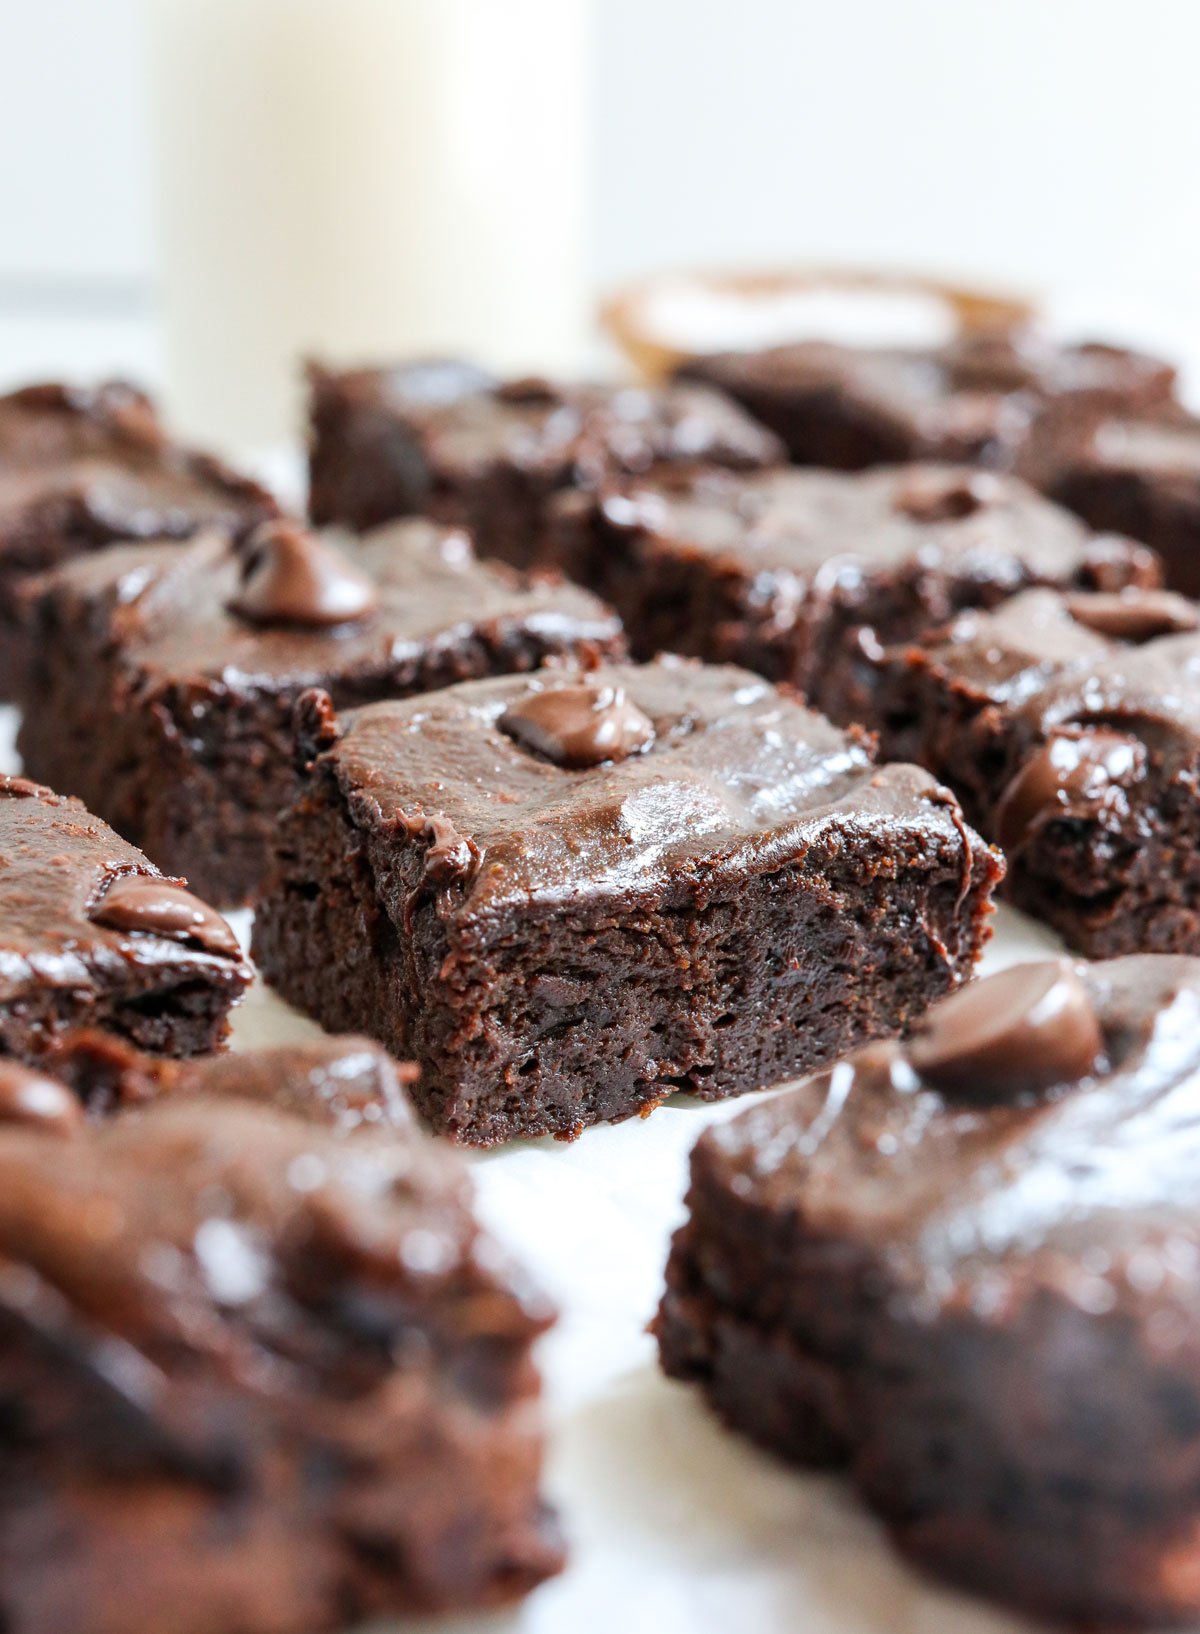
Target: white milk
x=359 y=179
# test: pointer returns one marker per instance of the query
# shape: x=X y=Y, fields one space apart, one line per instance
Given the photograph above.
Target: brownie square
x=91 y=934
x=778 y=570
x=976 y=400
x=80 y=469
x=453 y=442
x=1140 y=477
x=1070 y=728
x=166 y=676
x=570 y=895
x=345 y=1083
x=965 y=1268
x=256 y=1374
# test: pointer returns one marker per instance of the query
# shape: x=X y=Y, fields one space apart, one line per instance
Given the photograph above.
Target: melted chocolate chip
x=30 y=1098
x=1134 y=615
x=931 y=497
x=579 y=726
x=1065 y=772
x=291 y=577
x=1011 y=1035
x=152 y=907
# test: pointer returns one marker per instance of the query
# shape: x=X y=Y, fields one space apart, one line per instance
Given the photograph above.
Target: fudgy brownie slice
x=346 y=1083
x=775 y=569
x=453 y=442
x=569 y=895
x=966 y=1268
x=91 y=934
x=166 y=676
x=1141 y=477
x=257 y=1375
x=80 y=469
x=976 y=400
x=1070 y=728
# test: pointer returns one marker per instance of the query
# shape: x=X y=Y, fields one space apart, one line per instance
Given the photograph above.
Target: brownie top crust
x=1039 y=1131
x=468 y=421
x=347 y=1083
x=82 y=910
x=290 y=606
x=1126 y=662
x=100 y=460
x=972 y=399
x=232 y=1246
x=837 y=526
x=688 y=774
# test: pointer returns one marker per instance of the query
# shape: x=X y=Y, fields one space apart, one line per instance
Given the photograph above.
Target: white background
x=1055 y=143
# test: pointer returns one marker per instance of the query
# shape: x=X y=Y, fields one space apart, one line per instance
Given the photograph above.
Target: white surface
x=675 y=1526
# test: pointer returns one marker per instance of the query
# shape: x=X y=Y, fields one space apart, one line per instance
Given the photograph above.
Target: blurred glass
x=360 y=179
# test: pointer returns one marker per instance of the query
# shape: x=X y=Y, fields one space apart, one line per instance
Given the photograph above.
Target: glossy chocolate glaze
x=174 y=611
x=826 y=531
x=58 y=869
x=739 y=778
x=1040 y=657
x=975 y=1207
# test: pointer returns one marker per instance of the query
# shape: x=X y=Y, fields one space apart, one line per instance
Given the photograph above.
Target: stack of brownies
x=585 y=746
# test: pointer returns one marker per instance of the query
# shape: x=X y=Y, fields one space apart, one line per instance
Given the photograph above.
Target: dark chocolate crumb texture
x=166 y=676
x=91 y=934
x=260 y=1370
x=1070 y=728
x=967 y=1268
x=778 y=570
x=453 y=442
x=82 y=468
x=569 y=895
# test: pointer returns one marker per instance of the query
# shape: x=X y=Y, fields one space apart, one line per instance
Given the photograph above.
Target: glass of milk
x=359 y=180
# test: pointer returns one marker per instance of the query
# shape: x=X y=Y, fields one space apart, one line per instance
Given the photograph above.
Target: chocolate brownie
x=256 y=1374
x=966 y=1268
x=453 y=442
x=91 y=934
x=975 y=400
x=346 y=1083
x=1141 y=477
x=166 y=676
x=1070 y=728
x=80 y=469
x=774 y=569
x=568 y=896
